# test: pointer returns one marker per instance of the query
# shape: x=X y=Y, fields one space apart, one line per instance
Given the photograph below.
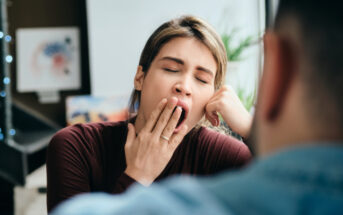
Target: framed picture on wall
x=87 y=108
x=48 y=59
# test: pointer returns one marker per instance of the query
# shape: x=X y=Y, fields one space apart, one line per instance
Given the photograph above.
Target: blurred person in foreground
x=297 y=133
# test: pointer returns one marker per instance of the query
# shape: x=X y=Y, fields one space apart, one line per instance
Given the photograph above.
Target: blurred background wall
x=118 y=31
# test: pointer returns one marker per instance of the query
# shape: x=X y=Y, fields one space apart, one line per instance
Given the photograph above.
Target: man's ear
x=279 y=69
x=139 y=78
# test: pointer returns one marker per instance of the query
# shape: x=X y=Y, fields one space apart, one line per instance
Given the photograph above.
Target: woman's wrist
x=240 y=125
x=137 y=176
x=245 y=126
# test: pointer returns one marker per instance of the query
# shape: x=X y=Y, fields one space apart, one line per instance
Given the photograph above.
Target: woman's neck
x=140 y=122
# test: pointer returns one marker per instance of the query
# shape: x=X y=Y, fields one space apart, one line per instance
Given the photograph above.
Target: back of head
x=319 y=33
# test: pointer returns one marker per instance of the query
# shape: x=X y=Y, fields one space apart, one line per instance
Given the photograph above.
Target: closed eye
x=170 y=70
x=202 y=81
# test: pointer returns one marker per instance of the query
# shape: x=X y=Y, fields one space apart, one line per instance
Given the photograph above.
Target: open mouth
x=183 y=115
x=182 y=118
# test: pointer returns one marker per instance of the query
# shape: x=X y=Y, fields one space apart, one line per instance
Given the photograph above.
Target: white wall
x=118 y=30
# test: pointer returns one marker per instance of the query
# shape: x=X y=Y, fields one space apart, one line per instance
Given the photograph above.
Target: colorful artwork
x=48 y=59
x=83 y=109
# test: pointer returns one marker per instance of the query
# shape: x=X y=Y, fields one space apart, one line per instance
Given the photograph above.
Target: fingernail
x=179 y=109
x=164 y=100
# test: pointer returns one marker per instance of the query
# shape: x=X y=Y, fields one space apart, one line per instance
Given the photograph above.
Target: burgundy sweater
x=90 y=157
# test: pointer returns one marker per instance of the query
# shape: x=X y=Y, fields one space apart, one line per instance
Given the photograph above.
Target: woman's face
x=184 y=68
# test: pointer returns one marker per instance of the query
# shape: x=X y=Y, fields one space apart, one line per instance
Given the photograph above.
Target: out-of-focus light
x=12 y=132
x=8 y=38
x=1 y=34
x=9 y=59
x=1 y=136
x=2 y=94
x=7 y=80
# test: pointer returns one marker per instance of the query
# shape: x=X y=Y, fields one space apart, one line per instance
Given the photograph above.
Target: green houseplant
x=234 y=56
x=247 y=99
x=234 y=53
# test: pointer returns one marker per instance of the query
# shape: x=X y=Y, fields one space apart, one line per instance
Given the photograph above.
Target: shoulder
x=179 y=195
x=89 y=129
x=221 y=145
x=208 y=137
x=92 y=128
x=78 y=135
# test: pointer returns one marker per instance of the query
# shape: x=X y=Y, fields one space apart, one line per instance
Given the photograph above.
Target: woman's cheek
x=202 y=109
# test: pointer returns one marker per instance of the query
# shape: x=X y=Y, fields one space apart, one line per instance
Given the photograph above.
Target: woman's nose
x=182 y=88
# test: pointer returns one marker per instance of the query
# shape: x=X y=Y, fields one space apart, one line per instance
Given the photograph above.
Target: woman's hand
x=226 y=102
x=149 y=153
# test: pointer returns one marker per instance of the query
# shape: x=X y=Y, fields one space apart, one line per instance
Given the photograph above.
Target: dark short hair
x=321 y=42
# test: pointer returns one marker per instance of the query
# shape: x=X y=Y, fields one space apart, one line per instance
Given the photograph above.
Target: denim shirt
x=299 y=180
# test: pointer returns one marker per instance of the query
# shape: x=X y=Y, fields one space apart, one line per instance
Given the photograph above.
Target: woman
x=177 y=83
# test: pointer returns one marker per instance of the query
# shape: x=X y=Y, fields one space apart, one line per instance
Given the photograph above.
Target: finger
x=212 y=108
x=131 y=134
x=215 y=103
x=211 y=113
x=220 y=94
x=154 y=116
x=177 y=138
x=170 y=127
x=165 y=116
x=214 y=119
x=220 y=91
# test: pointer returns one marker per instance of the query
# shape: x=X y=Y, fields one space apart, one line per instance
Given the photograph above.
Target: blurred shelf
x=26 y=150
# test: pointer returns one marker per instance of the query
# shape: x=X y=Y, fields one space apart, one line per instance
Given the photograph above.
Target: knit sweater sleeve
x=68 y=170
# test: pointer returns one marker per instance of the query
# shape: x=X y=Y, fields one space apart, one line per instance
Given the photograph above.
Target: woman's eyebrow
x=177 y=60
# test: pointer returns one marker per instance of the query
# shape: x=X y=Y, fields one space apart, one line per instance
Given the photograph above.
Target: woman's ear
x=139 y=78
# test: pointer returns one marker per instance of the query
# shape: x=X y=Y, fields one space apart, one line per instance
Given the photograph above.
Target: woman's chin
x=179 y=128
